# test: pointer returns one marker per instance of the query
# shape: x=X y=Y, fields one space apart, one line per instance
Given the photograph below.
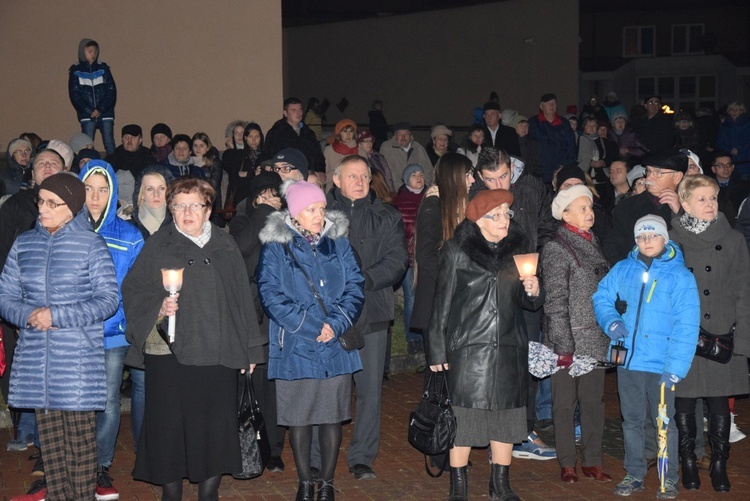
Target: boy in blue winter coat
x=649 y=302
x=93 y=93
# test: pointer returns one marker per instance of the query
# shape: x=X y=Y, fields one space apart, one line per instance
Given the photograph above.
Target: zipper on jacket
x=281 y=339
x=93 y=85
x=638 y=316
x=46 y=335
x=651 y=292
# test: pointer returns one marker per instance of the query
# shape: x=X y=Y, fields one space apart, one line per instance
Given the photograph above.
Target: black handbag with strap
x=255 y=446
x=353 y=338
x=714 y=347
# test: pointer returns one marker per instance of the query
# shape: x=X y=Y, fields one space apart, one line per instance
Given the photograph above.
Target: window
x=687 y=39
x=638 y=41
x=688 y=92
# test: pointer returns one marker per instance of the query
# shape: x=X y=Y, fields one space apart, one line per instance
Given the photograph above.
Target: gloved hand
x=617 y=331
x=670 y=379
x=565 y=360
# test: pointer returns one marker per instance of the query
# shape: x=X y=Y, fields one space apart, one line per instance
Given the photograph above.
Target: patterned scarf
x=312 y=238
x=695 y=225
x=578 y=231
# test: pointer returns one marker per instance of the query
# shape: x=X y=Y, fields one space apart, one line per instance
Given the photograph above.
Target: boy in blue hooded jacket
x=649 y=302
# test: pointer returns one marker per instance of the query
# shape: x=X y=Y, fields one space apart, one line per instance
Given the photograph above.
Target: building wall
x=438 y=66
x=193 y=65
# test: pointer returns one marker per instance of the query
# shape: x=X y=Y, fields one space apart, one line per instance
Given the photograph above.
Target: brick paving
x=399 y=468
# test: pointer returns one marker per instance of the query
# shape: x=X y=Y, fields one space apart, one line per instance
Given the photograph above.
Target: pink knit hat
x=301 y=194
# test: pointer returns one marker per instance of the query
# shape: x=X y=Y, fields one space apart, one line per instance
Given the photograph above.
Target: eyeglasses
x=653 y=101
x=727 y=165
x=50 y=203
x=656 y=173
x=194 y=207
x=24 y=152
x=500 y=215
x=285 y=168
x=646 y=238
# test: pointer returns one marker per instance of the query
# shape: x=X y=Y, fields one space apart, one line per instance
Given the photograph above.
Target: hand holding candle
x=172 y=280
x=526 y=264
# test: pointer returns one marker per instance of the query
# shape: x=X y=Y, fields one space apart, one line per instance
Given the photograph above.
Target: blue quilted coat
x=296 y=317
x=71 y=272
x=124 y=242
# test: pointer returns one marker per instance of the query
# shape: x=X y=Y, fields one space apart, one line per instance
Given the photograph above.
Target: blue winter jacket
x=296 y=317
x=736 y=135
x=124 y=242
x=663 y=311
x=71 y=272
x=91 y=87
x=557 y=142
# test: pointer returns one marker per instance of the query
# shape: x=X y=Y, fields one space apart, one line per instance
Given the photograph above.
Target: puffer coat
x=718 y=259
x=571 y=270
x=662 y=311
x=71 y=272
x=477 y=325
x=296 y=317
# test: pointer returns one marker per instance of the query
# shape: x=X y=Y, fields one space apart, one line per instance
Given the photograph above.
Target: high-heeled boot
x=686 y=446
x=305 y=491
x=718 y=436
x=325 y=490
x=500 y=484
x=459 y=484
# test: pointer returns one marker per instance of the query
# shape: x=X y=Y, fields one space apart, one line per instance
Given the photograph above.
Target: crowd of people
x=290 y=246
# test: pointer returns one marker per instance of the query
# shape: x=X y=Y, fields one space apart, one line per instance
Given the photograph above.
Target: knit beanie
x=63 y=149
x=69 y=188
x=652 y=223
x=569 y=171
x=564 y=197
x=79 y=141
x=440 y=130
x=343 y=124
x=19 y=143
x=410 y=169
x=161 y=128
x=301 y=194
x=485 y=201
x=89 y=153
x=692 y=156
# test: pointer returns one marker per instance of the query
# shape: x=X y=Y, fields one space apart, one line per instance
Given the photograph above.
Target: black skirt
x=190 y=427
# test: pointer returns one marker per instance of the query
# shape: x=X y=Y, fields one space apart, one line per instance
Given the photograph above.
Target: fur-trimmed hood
x=279 y=229
x=491 y=257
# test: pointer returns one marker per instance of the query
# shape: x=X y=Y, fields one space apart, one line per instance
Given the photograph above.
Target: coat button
x=706 y=292
x=596 y=271
x=690 y=269
x=493 y=311
x=718 y=247
x=190 y=262
x=707 y=316
x=708 y=268
x=207 y=261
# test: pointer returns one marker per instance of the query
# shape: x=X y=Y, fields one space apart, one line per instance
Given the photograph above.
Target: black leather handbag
x=432 y=425
x=715 y=348
x=254 y=444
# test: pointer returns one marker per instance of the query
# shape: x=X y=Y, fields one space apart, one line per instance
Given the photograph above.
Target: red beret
x=485 y=201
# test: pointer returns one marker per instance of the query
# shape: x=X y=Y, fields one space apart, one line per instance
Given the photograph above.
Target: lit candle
x=172 y=280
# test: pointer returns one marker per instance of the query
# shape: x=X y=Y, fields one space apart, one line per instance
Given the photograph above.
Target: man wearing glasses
x=732 y=189
x=664 y=171
x=655 y=129
x=290 y=163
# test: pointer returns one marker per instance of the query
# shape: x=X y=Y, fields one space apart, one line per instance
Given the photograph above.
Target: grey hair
x=350 y=159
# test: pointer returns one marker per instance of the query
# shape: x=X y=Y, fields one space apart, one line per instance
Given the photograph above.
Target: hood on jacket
x=671 y=252
x=101 y=167
x=82 y=45
x=278 y=227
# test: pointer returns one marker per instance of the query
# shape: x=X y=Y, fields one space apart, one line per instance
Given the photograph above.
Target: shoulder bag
x=715 y=348
x=254 y=444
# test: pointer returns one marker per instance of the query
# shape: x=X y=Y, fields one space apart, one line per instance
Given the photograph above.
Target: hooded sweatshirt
x=124 y=242
x=91 y=86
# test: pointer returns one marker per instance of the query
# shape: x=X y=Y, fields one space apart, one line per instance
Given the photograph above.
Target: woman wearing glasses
x=190 y=423
x=478 y=335
x=572 y=266
x=58 y=286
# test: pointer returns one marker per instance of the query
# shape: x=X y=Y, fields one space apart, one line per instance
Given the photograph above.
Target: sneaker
x=37 y=492
x=534 y=448
x=275 y=464
x=628 y=486
x=104 y=489
x=18 y=445
x=735 y=435
x=705 y=425
x=670 y=491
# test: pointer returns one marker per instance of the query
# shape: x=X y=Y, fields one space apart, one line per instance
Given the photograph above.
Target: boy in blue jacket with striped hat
x=649 y=302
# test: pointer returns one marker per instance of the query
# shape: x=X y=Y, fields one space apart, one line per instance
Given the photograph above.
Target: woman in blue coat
x=59 y=286
x=312 y=290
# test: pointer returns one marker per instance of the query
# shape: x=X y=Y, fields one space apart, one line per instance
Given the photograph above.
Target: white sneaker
x=735 y=435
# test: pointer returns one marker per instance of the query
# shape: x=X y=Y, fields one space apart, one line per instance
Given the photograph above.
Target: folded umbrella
x=582 y=365
x=542 y=360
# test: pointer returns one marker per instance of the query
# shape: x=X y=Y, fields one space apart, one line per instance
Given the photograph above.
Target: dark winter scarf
x=695 y=225
x=312 y=238
x=490 y=256
x=250 y=159
x=578 y=231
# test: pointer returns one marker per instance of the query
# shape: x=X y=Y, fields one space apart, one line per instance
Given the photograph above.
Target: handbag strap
x=307 y=277
x=443 y=394
x=446 y=458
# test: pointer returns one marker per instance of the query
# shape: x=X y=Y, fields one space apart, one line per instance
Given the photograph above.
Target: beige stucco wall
x=438 y=66
x=193 y=64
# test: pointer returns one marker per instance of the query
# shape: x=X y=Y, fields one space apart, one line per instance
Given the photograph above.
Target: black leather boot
x=718 y=436
x=459 y=485
x=500 y=484
x=325 y=490
x=305 y=491
x=686 y=429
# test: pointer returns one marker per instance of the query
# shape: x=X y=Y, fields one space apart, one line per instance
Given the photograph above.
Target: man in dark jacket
x=655 y=129
x=664 y=171
x=132 y=157
x=557 y=141
x=497 y=135
x=93 y=93
x=376 y=232
x=732 y=189
x=290 y=132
